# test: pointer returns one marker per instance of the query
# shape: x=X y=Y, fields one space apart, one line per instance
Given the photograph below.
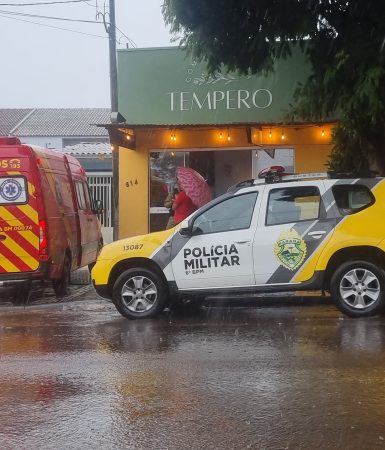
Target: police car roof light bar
x=276 y=174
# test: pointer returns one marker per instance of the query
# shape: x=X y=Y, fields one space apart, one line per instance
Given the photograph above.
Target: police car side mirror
x=196 y=231
x=185 y=229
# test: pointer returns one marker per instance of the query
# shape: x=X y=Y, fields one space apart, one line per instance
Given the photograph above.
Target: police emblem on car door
x=294 y=224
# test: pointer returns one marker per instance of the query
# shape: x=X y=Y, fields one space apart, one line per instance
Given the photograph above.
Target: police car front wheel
x=358 y=288
x=139 y=293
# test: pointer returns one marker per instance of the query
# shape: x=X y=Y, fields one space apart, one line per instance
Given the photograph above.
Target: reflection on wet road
x=78 y=376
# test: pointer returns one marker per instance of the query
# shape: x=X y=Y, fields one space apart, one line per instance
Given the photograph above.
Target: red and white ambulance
x=48 y=225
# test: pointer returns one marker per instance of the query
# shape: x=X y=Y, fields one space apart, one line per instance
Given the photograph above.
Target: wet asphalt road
x=76 y=375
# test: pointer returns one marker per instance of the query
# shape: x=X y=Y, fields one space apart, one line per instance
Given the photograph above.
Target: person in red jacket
x=182 y=206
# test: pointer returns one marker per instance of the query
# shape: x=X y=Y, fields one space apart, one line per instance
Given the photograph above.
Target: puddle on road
x=227 y=378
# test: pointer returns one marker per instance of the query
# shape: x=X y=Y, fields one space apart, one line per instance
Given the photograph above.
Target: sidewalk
x=81 y=276
x=80 y=286
x=81 y=289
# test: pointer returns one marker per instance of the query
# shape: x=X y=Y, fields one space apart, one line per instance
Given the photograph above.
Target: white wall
x=43 y=141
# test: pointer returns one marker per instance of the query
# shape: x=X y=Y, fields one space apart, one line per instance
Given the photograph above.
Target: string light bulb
x=228 y=136
x=173 y=136
x=128 y=137
x=323 y=133
x=172 y=153
x=283 y=135
x=270 y=134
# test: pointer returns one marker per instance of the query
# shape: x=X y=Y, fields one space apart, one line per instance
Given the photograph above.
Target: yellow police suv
x=274 y=234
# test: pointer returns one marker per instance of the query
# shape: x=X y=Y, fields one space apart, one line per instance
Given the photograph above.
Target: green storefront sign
x=165 y=86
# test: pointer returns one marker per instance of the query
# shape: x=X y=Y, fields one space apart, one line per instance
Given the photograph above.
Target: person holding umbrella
x=182 y=206
x=168 y=204
x=194 y=193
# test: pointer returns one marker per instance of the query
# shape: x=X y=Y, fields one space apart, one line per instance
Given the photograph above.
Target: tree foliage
x=344 y=43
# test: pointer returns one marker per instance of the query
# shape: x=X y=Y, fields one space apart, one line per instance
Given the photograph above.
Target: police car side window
x=352 y=198
x=234 y=213
x=293 y=204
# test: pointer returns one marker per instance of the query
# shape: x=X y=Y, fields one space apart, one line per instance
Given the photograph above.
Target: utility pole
x=114 y=111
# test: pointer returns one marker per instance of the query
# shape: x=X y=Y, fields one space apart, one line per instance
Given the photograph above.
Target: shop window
x=163 y=179
x=273 y=157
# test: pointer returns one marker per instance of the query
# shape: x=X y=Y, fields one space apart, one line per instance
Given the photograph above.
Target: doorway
x=221 y=168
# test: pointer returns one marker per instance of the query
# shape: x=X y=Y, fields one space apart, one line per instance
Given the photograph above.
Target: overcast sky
x=50 y=68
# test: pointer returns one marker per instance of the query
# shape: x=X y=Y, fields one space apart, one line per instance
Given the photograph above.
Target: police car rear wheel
x=359 y=288
x=139 y=293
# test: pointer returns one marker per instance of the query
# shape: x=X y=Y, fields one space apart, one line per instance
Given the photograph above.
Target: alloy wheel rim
x=360 y=288
x=139 y=294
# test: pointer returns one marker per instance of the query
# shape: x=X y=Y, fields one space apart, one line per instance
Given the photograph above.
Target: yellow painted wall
x=133 y=192
x=311 y=158
x=312 y=147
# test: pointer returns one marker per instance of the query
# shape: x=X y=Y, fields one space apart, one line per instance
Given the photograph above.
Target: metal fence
x=101 y=189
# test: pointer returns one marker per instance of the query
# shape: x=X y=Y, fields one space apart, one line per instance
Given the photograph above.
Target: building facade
x=226 y=126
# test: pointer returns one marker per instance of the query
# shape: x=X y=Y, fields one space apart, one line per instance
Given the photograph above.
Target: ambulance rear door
x=19 y=218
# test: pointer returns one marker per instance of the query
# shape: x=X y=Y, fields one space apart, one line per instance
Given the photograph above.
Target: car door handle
x=317 y=234
x=242 y=242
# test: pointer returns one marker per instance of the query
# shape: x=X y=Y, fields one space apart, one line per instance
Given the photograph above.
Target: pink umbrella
x=194 y=185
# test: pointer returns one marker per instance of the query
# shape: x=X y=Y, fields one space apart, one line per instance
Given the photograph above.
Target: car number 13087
x=132 y=247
